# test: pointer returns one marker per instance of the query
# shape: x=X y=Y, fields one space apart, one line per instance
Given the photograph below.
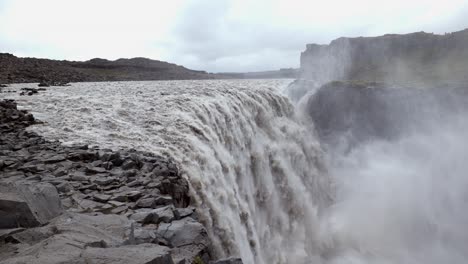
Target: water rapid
x=264 y=188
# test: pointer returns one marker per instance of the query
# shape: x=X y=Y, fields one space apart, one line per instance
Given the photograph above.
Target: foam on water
x=256 y=172
x=258 y=175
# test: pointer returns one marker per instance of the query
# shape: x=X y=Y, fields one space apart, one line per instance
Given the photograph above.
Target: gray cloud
x=213 y=35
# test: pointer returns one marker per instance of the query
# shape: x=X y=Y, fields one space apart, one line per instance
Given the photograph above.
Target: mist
x=397 y=156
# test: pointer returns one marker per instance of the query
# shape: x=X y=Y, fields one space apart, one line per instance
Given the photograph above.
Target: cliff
x=347 y=113
x=18 y=70
x=411 y=58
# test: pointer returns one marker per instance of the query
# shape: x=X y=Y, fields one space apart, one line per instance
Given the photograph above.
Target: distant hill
x=282 y=73
x=18 y=70
x=416 y=57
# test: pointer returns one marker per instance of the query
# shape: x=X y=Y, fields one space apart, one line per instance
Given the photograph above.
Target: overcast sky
x=212 y=35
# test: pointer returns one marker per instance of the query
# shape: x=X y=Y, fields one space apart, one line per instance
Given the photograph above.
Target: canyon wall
x=411 y=58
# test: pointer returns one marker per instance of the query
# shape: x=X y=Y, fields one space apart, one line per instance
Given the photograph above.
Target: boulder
x=188 y=238
x=140 y=254
x=28 y=205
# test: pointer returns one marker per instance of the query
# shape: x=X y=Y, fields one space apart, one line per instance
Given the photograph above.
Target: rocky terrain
x=78 y=204
x=29 y=70
x=412 y=58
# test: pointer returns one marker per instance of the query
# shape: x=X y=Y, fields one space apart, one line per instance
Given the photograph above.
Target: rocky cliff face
x=22 y=70
x=349 y=113
x=411 y=58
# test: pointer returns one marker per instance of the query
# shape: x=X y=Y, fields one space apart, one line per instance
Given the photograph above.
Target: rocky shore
x=61 y=204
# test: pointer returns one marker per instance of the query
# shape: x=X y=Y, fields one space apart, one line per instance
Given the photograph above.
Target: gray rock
x=146 y=202
x=120 y=209
x=164 y=214
x=66 y=239
x=55 y=159
x=184 y=232
x=155 y=216
x=94 y=170
x=180 y=213
x=64 y=187
x=79 y=176
x=129 y=164
x=28 y=205
x=104 y=180
x=141 y=254
x=101 y=197
x=163 y=200
x=227 y=261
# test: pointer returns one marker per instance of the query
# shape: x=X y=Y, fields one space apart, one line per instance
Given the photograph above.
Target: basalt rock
x=91 y=184
x=28 y=205
x=417 y=57
x=349 y=113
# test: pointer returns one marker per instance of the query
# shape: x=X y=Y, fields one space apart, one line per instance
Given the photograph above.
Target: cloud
x=213 y=35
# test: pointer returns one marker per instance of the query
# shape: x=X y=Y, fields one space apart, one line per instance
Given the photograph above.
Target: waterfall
x=256 y=171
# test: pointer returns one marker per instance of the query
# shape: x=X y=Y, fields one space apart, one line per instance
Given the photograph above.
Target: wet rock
x=227 y=261
x=28 y=205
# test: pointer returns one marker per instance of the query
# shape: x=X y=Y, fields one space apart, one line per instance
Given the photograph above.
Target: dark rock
x=227 y=261
x=64 y=187
x=129 y=164
x=104 y=180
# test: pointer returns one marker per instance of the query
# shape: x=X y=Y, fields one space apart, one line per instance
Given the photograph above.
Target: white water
x=256 y=172
x=259 y=177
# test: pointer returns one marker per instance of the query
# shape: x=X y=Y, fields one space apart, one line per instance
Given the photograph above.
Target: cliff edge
x=411 y=58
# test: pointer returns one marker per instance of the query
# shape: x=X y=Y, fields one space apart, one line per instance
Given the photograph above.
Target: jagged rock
x=155 y=216
x=28 y=205
x=189 y=238
x=104 y=180
x=180 y=213
x=146 y=202
x=101 y=197
x=141 y=254
x=164 y=214
x=64 y=187
x=227 y=261
x=90 y=181
x=66 y=239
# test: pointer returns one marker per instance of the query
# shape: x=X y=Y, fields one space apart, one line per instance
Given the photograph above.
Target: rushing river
x=263 y=185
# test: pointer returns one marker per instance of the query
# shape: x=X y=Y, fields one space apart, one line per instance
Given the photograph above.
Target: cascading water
x=256 y=172
x=259 y=177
